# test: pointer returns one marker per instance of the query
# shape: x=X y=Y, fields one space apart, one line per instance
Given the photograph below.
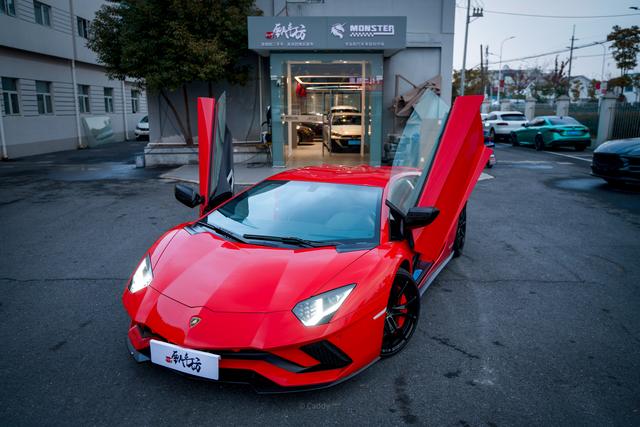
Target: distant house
x=584 y=87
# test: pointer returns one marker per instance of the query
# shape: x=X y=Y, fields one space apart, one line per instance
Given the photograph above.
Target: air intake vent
x=329 y=356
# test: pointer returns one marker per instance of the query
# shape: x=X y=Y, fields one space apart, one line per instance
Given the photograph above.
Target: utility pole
x=482 y=73
x=464 y=55
x=477 y=13
x=486 y=68
x=500 y=66
x=573 y=38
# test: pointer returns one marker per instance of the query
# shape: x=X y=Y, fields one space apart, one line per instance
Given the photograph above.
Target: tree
x=473 y=84
x=555 y=83
x=576 y=89
x=165 y=44
x=625 y=46
x=591 y=90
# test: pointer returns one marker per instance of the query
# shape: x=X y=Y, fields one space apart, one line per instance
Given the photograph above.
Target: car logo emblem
x=194 y=321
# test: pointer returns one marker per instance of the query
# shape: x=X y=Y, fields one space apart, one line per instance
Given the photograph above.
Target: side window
x=492 y=117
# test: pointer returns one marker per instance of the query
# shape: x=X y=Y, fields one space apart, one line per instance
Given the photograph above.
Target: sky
x=535 y=35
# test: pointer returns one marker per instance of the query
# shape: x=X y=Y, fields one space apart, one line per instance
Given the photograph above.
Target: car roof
x=507 y=112
x=375 y=176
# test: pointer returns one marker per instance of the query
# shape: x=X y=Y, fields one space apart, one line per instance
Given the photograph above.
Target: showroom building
x=329 y=71
x=54 y=94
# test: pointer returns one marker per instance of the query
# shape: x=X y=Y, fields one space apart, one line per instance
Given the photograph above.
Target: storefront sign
x=327 y=33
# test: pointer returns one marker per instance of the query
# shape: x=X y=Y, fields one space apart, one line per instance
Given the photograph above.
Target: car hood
x=346 y=129
x=143 y=126
x=622 y=147
x=203 y=270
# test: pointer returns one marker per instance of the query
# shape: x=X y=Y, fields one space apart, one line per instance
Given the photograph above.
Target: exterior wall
x=30 y=52
x=243 y=106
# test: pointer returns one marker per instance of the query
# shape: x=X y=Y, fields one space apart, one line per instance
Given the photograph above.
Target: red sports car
x=310 y=276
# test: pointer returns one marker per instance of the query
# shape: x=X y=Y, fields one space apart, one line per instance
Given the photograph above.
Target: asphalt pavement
x=536 y=324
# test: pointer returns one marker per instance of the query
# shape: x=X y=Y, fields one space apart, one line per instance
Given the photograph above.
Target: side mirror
x=418 y=217
x=187 y=195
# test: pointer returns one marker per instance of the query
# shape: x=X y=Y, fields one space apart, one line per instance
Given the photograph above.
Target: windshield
x=145 y=119
x=314 y=211
x=346 y=120
x=513 y=118
x=563 y=121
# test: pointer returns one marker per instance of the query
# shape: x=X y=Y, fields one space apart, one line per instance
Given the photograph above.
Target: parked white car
x=142 y=128
x=500 y=124
x=346 y=131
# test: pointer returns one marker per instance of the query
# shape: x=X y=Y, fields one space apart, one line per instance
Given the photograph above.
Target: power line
x=539 y=55
x=531 y=15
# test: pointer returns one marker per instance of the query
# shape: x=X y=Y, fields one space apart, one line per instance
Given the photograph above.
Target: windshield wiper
x=222 y=231
x=290 y=240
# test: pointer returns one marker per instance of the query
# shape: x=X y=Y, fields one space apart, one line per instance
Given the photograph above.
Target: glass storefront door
x=329 y=109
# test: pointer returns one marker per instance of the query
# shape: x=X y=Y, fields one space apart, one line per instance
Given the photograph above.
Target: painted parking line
x=569 y=155
x=484 y=176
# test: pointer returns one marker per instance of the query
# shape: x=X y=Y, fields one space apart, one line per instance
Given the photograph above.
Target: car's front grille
x=607 y=161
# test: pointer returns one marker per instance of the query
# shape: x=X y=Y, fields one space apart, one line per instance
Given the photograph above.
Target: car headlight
x=142 y=277
x=320 y=309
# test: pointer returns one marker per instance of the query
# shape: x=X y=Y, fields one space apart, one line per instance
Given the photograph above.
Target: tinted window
x=563 y=121
x=513 y=117
x=316 y=211
x=346 y=120
x=491 y=117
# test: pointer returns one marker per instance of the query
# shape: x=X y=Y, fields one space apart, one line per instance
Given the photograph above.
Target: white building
x=52 y=85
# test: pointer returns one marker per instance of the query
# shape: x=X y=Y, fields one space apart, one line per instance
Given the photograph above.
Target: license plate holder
x=185 y=360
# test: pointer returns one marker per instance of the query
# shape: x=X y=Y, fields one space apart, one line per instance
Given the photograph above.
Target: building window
x=8 y=7
x=83 y=27
x=83 y=99
x=108 y=100
x=43 y=13
x=10 y=96
x=43 y=95
x=135 y=101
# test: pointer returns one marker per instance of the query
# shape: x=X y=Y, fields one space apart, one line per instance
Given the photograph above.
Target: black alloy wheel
x=492 y=135
x=401 y=316
x=461 y=233
x=539 y=143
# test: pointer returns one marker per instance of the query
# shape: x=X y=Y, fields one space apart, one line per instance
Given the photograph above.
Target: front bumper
x=272 y=351
x=141 y=132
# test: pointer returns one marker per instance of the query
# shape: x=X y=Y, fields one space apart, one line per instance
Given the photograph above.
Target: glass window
x=135 y=101
x=83 y=99
x=346 y=119
x=43 y=96
x=513 y=117
x=83 y=27
x=8 y=7
x=10 y=96
x=315 y=211
x=108 y=100
x=43 y=13
x=566 y=120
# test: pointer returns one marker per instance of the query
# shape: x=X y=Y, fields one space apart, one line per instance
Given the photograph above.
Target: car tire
x=461 y=233
x=401 y=315
x=514 y=139
x=489 y=165
x=492 y=135
x=539 y=143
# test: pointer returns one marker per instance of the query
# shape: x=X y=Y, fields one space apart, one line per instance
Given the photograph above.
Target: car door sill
x=435 y=274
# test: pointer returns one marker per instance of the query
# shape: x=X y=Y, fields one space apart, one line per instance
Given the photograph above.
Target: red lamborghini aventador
x=310 y=276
